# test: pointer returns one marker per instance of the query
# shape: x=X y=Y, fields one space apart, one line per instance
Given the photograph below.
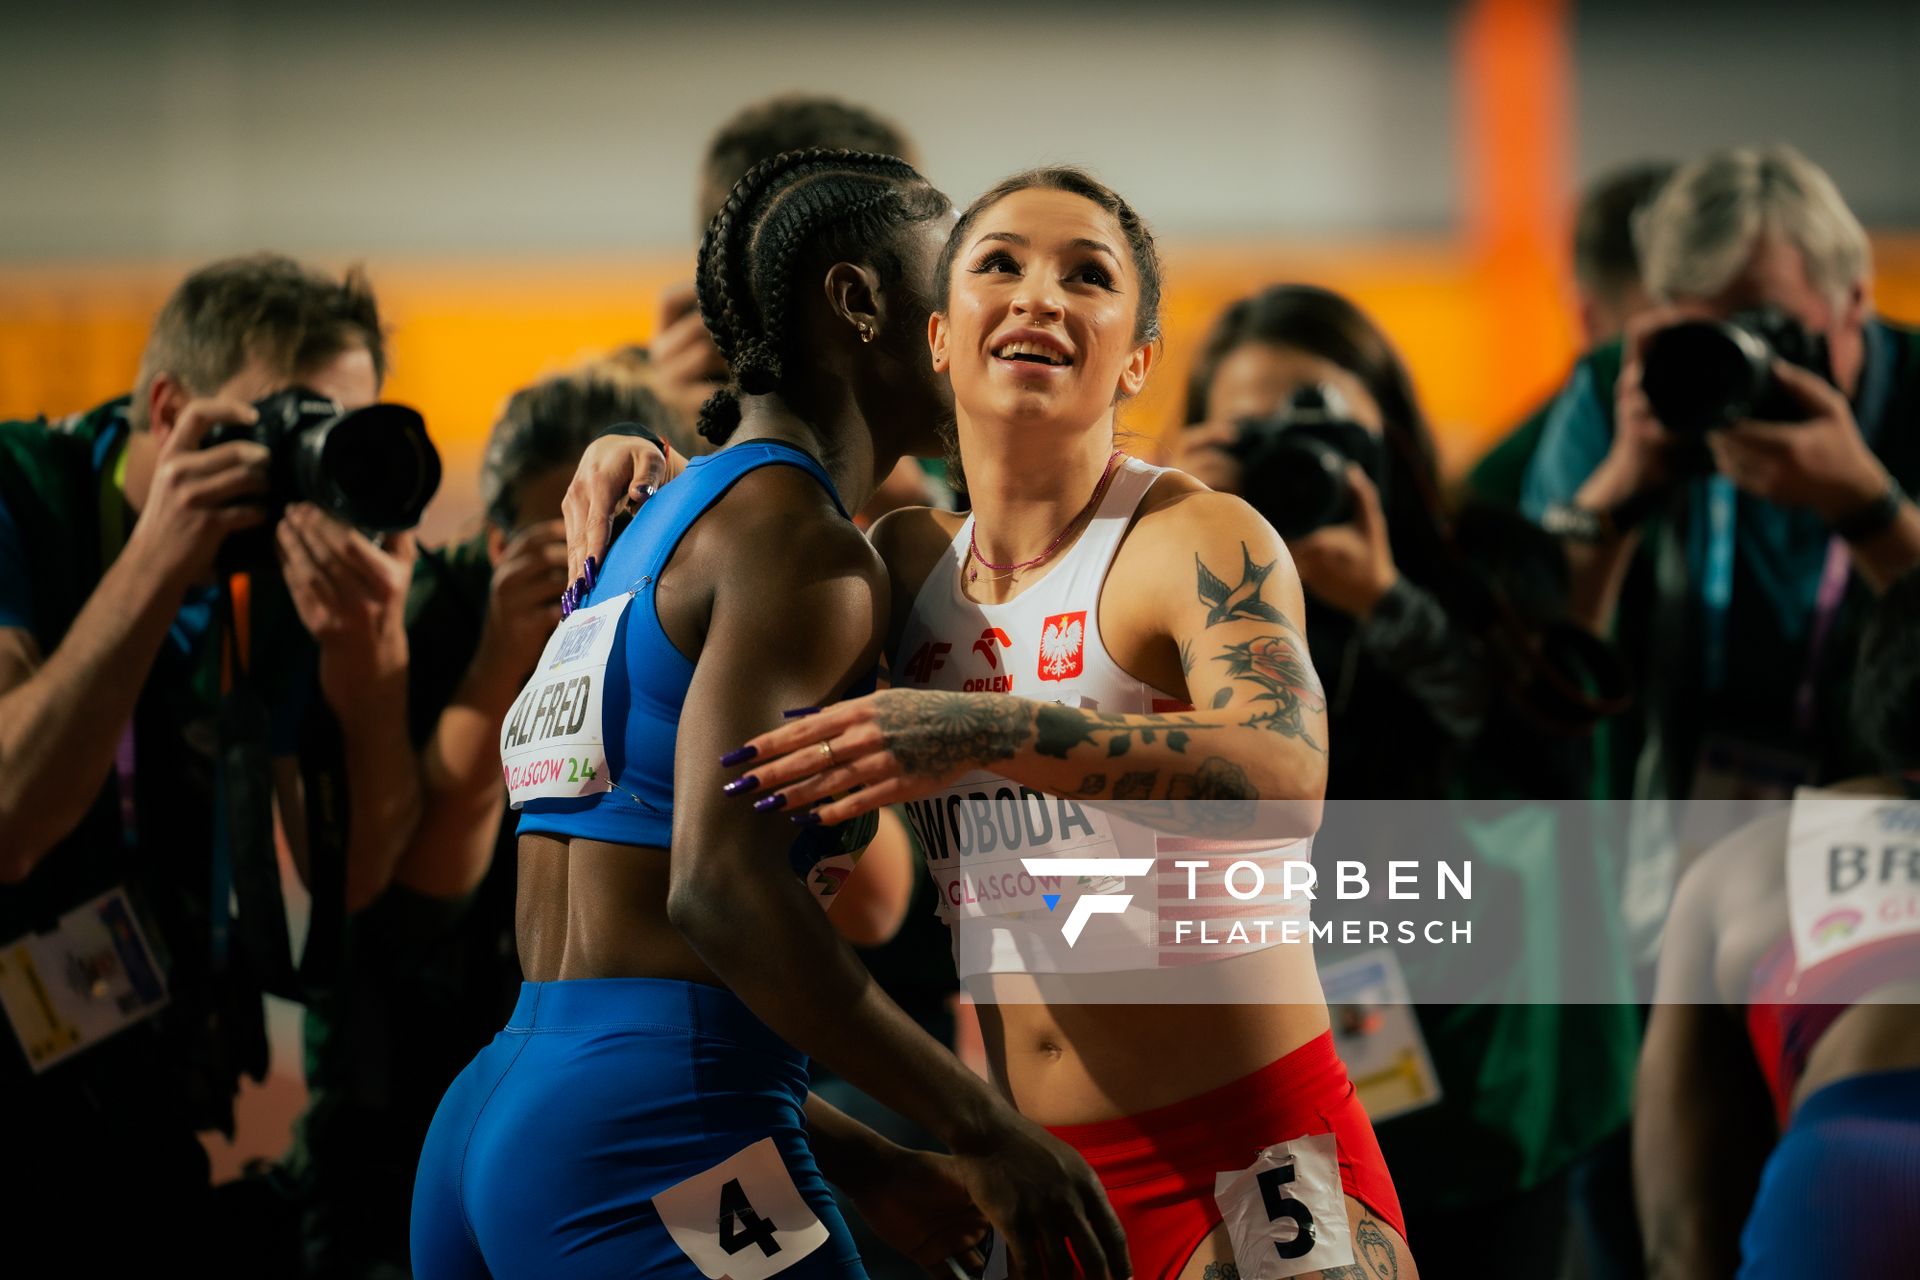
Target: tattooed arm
x=1204 y=579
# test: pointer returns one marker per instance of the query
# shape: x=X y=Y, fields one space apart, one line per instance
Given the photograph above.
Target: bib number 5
x=1286 y=1213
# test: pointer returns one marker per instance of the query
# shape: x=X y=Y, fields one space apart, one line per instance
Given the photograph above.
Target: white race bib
x=1853 y=873
x=93 y=975
x=1286 y=1213
x=743 y=1219
x=550 y=743
x=977 y=834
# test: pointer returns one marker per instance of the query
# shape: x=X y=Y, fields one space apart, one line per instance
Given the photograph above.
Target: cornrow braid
x=798 y=208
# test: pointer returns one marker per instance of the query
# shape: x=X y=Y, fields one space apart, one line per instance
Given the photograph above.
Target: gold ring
x=828 y=748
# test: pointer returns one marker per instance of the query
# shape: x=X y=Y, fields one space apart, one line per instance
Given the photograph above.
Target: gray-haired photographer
x=190 y=649
x=1754 y=438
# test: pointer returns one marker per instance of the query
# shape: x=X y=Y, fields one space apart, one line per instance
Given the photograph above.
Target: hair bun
x=719 y=416
x=757 y=367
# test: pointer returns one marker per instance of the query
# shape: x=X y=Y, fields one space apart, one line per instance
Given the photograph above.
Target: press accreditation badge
x=743 y=1219
x=550 y=743
x=1853 y=873
x=1286 y=1213
x=1377 y=1034
x=93 y=975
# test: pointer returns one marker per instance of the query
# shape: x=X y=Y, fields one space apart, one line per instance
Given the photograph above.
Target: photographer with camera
x=1753 y=437
x=1298 y=403
x=160 y=558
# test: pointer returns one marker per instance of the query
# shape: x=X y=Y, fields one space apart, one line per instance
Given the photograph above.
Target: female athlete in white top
x=1039 y=648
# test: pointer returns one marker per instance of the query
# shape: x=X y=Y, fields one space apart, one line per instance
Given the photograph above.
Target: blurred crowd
x=1689 y=577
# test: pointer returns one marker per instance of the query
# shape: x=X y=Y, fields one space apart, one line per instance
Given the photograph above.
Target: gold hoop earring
x=866 y=333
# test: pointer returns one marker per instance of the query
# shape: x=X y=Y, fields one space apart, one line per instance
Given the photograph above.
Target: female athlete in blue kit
x=645 y=1111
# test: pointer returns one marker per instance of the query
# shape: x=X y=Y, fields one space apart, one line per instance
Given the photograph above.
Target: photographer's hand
x=460 y=764
x=1350 y=566
x=523 y=607
x=1821 y=464
x=197 y=496
x=1204 y=451
x=1639 y=458
x=687 y=367
x=351 y=595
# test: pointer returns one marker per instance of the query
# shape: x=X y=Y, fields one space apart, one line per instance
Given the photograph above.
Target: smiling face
x=1041 y=319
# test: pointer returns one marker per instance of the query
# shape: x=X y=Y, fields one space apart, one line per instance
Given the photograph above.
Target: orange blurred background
x=1484 y=346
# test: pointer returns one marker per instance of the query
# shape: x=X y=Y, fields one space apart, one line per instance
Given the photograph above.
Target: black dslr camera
x=1703 y=375
x=373 y=468
x=1294 y=464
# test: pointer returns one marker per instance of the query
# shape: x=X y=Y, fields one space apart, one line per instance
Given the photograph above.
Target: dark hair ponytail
x=788 y=213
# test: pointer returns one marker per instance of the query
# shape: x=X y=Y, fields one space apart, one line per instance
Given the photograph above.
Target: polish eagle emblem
x=1062 y=638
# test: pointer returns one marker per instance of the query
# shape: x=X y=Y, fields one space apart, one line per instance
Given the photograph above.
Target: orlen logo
x=926 y=660
x=1088 y=905
x=984 y=645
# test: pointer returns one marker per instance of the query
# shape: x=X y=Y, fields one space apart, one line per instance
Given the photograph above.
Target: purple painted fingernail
x=739 y=755
x=651 y=491
x=590 y=573
x=767 y=804
x=797 y=712
x=738 y=785
x=807 y=819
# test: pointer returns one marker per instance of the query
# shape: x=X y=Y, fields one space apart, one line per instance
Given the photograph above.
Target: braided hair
x=786 y=214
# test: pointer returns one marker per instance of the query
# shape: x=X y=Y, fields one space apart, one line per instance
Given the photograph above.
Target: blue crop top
x=641 y=717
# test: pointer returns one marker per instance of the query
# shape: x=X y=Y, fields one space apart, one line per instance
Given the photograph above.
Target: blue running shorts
x=627 y=1127
x=1840 y=1195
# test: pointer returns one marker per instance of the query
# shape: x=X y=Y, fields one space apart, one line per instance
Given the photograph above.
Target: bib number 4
x=743 y=1219
x=740 y=1227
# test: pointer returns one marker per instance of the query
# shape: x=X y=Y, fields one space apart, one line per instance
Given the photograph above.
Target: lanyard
x=1716 y=591
x=233 y=623
x=1826 y=603
x=1716 y=595
x=113 y=539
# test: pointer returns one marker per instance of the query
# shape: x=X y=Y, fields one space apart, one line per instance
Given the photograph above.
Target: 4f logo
x=1063 y=646
x=1088 y=905
x=926 y=660
x=984 y=645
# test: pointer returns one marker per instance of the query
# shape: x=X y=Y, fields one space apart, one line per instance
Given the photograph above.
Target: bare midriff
x=590 y=909
x=1083 y=1063
x=1882 y=1033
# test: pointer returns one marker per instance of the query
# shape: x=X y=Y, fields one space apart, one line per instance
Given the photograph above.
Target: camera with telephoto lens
x=1294 y=464
x=1703 y=375
x=373 y=468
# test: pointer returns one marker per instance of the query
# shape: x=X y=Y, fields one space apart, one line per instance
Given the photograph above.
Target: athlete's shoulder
x=912 y=540
x=1180 y=511
x=779 y=519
